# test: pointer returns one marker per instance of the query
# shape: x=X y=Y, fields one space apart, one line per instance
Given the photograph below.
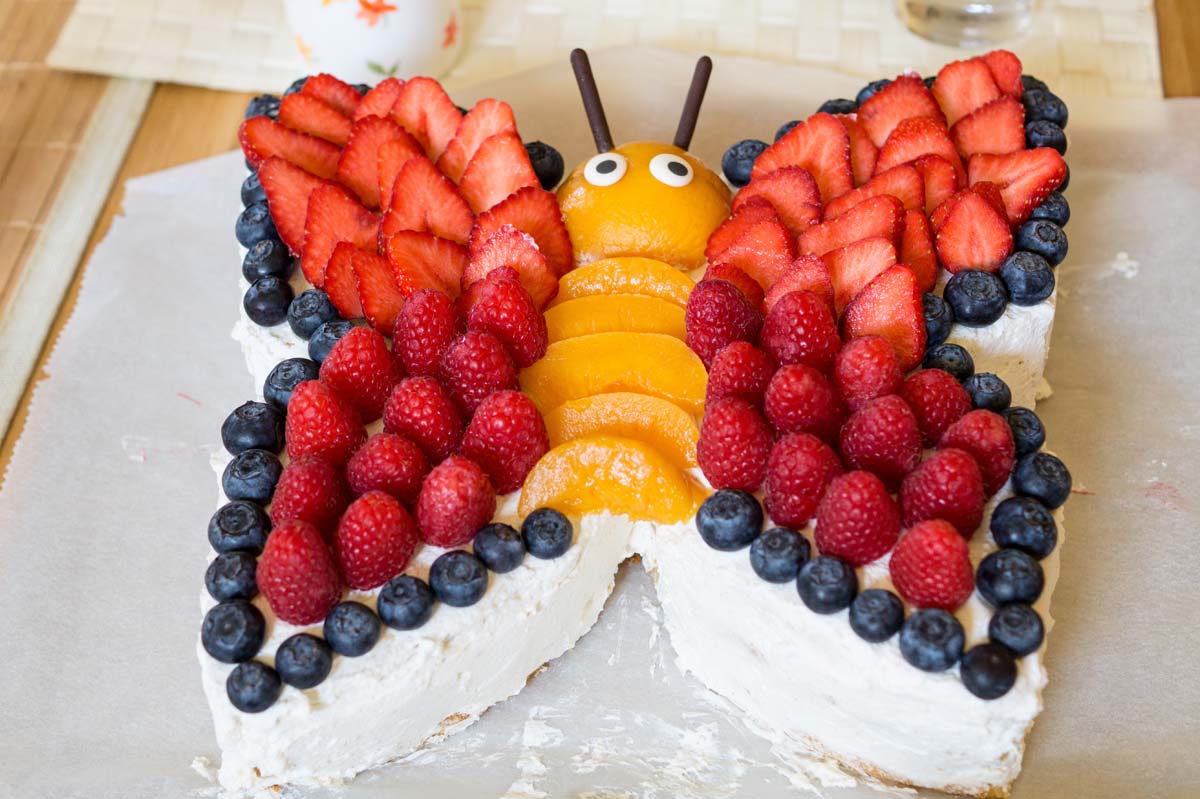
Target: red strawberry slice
x=863 y=151
x=262 y=137
x=393 y=155
x=941 y=181
x=535 y=211
x=973 y=234
x=914 y=138
x=807 y=273
x=852 y=267
x=749 y=287
x=1025 y=178
x=963 y=86
x=764 y=250
x=745 y=214
x=486 y=119
x=902 y=182
x=1006 y=71
x=333 y=92
x=881 y=216
x=820 y=145
x=358 y=168
x=791 y=191
x=340 y=283
x=508 y=247
x=288 y=188
x=425 y=110
x=990 y=192
x=998 y=127
x=307 y=114
x=903 y=98
x=916 y=249
x=424 y=199
x=421 y=260
x=499 y=167
x=333 y=216
x=381 y=298
x=379 y=101
x=890 y=307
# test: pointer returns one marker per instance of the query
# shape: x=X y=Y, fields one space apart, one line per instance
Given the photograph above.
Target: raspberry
x=457 y=499
x=717 y=314
x=987 y=438
x=800 y=329
x=505 y=309
x=320 y=422
x=798 y=470
x=931 y=566
x=947 y=485
x=390 y=463
x=309 y=490
x=800 y=400
x=427 y=323
x=882 y=437
x=866 y=368
x=374 y=541
x=739 y=370
x=476 y=365
x=506 y=436
x=297 y=574
x=857 y=520
x=421 y=409
x=361 y=369
x=734 y=444
x=937 y=400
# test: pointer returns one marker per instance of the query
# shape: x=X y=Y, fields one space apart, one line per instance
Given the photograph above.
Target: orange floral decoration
x=374 y=10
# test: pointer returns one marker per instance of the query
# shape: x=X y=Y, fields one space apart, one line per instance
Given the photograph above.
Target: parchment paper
x=103 y=512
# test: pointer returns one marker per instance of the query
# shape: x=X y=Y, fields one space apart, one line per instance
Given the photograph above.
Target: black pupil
x=606 y=166
x=677 y=168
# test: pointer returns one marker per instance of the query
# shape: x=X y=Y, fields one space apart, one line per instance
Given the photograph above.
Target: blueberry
x=233 y=631
x=838 y=106
x=777 y=555
x=251 y=475
x=462 y=110
x=739 y=159
x=1044 y=238
x=1028 y=278
x=362 y=88
x=1024 y=523
x=1044 y=104
x=500 y=547
x=1017 y=627
x=253 y=425
x=932 y=639
x=977 y=297
x=252 y=190
x=547 y=163
x=1009 y=575
x=1054 y=208
x=786 y=128
x=352 y=629
x=929 y=81
x=254 y=223
x=458 y=578
x=1030 y=82
x=1028 y=432
x=267 y=300
x=303 y=661
x=1042 y=476
x=951 y=358
x=263 y=105
x=308 y=311
x=325 y=336
x=876 y=615
x=988 y=392
x=239 y=526
x=277 y=389
x=253 y=687
x=729 y=520
x=939 y=318
x=870 y=90
x=827 y=584
x=267 y=258
x=1066 y=179
x=1044 y=133
x=231 y=576
x=405 y=603
x=547 y=533
x=296 y=86
x=988 y=671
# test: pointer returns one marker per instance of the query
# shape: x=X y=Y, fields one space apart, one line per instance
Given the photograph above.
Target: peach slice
x=663 y=425
x=626 y=275
x=606 y=313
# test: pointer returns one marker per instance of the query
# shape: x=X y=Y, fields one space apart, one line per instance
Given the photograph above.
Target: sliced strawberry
x=863 y=151
x=425 y=110
x=990 y=192
x=1006 y=71
x=916 y=249
x=890 y=307
x=424 y=199
x=913 y=138
x=852 y=267
x=509 y=248
x=1025 y=178
x=307 y=114
x=941 y=181
x=902 y=182
x=973 y=234
x=381 y=298
x=821 y=145
x=333 y=216
x=749 y=287
x=288 y=188
x=793 y=194
x=963 y=86
x=807 y=273
x=379 y=101
x=358 y=168
x=745 y=214
x=262 y=137
x=422 y=260
x=499 y=168
x=333 y=92
x=393 y=155
x=340 y=283
x=764 y=250
x=486 y=119
x=903 y=98
x=998 y=127
x=535 y=211
x=880 y=216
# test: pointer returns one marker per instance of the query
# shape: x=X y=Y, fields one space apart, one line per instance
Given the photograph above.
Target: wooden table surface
x=43 y=114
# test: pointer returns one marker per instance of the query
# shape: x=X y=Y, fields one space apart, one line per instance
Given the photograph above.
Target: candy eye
x=605 y=169
x=671 y=170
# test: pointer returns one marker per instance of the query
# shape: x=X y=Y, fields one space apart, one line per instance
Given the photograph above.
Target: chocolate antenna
x=591 y=100
x=691 y=106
